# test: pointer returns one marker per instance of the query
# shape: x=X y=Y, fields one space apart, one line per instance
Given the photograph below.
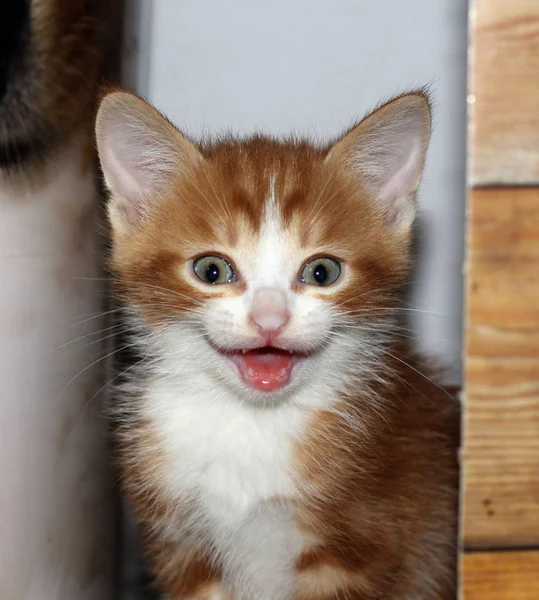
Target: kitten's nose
x=269 y=310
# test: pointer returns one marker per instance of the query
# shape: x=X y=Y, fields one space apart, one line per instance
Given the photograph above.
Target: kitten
x=278 y=439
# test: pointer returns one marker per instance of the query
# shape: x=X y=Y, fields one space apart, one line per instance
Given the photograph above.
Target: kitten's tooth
x=251 y=372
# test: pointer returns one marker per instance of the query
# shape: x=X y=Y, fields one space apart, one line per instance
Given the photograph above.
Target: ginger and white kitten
x=279 y=439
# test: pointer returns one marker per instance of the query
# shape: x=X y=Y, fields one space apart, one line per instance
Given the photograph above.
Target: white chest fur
x=231 y=459
x=233 y=455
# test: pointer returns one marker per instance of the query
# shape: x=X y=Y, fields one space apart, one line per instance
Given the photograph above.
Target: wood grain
x=501 y=426
x=500 y=576
x=504 y=71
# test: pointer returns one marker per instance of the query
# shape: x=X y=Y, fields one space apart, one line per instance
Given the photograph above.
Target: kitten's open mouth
x=265 y=369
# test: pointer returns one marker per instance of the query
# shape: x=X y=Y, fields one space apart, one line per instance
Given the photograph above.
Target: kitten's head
x=263 y=264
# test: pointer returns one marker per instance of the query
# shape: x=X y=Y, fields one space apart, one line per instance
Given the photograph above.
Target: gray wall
x=314 y=66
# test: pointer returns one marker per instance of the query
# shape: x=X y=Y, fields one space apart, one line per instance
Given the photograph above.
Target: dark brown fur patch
x=50 y=83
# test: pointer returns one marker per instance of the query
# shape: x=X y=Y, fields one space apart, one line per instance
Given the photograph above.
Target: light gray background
x=313 y=66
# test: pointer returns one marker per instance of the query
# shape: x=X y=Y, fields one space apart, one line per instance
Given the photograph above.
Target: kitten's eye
x=320 y=271
x=214 y=270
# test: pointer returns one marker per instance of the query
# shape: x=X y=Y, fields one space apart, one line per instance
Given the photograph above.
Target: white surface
x=56 y=529
x=313 y=67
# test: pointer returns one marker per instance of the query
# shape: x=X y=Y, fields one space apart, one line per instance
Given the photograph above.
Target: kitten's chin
x=265 y=369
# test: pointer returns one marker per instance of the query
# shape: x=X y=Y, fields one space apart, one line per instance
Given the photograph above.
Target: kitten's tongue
x=265 y=369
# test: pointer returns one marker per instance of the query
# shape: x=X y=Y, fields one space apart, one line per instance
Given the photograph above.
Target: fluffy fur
x=341 y=484
x=51 y=55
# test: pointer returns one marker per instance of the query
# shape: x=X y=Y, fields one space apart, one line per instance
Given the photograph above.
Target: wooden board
x=504 y=72
x=501 y=425
x=500 y=576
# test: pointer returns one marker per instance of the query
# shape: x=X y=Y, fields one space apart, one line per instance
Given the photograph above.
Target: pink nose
x=269 y=312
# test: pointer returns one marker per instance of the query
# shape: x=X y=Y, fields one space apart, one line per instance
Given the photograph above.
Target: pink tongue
x=265 y=370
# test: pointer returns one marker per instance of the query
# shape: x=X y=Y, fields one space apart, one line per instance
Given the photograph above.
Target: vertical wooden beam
x=504 y=80
x=500 y=513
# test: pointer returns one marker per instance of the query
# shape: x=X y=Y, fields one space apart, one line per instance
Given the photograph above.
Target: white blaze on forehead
x=271 y=269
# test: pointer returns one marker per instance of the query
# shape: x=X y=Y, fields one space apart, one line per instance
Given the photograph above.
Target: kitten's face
x=271 y=262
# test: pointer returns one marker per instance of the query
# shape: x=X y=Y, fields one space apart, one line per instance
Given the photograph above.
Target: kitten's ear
x=386 y=152
x=141 y=154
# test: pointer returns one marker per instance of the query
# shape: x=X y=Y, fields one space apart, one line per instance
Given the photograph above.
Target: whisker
x=119 y=309
x=104 y=338
x=419 y=373
x=209 y=202
x=95 y=362
x=391 y=330
x=396 y=334
x=150 y=286
x=96 y=316
x=110 y=382
x=222 y=204
x=82 y=337
x=320 y=195
x=396 y=309
x=328 y=200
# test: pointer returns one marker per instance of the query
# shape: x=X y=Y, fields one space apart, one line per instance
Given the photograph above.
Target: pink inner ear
x=386 y=152
x=128 y=181
x=396 y=191
x=395 y=211
x=126 y=174
x=133 y=211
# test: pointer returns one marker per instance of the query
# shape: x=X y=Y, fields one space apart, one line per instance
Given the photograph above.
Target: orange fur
x=379 y=508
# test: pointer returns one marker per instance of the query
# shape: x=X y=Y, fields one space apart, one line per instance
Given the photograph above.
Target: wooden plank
x=501 y=422
x=500 y=576
x=504 y=91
